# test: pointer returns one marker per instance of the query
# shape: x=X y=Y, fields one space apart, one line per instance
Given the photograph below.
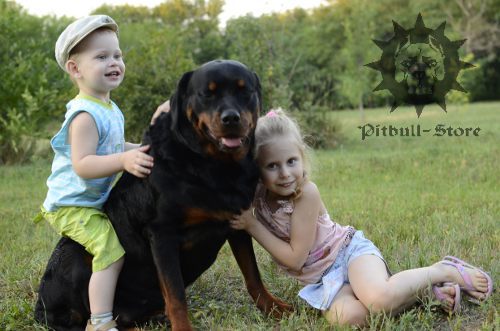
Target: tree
x=31 y=86
x=198 y=23
x=470 y=19
x=355 y=80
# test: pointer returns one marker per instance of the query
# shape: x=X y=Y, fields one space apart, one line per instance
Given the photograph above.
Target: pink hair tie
x=271 y=113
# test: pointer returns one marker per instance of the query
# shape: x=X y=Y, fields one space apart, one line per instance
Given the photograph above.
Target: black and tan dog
x=173 y=223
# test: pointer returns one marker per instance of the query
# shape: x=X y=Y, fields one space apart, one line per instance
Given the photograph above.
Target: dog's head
x=215 y=109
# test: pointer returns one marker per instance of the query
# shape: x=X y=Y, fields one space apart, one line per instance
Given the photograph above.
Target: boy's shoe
x=101 y=327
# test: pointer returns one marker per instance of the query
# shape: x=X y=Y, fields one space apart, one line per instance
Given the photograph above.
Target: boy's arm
x=129 y=146
x=84 y=138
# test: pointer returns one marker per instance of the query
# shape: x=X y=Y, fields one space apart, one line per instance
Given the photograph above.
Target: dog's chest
x=210 y=186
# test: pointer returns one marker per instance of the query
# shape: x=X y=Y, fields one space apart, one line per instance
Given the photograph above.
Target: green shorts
x=90 y=228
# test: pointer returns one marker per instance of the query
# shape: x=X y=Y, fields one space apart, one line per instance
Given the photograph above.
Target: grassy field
x=417 y=198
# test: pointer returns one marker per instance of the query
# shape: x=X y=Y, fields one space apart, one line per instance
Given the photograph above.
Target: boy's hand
x=243 y=221
x=137 y=162
x=163 y=108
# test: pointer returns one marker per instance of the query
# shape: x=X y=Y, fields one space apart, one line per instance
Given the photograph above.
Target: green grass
x=417 y=198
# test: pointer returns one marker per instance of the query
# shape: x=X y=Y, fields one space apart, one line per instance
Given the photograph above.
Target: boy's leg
x=102 y=287
x=92 y=229
x=106 y=266
x=346 y=309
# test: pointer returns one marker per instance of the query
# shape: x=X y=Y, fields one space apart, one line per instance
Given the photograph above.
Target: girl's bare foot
x=446 y=294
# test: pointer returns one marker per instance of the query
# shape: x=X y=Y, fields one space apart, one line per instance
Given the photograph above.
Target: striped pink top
x=330 y=237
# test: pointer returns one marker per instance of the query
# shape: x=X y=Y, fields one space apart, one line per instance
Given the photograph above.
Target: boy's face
x=99 y=67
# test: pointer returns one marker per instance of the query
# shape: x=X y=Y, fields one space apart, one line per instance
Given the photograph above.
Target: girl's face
x=281 y=166
x=100 y=67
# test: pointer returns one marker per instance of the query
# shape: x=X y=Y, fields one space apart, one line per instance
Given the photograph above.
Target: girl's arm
x=163 y=108
x=303 y=230
x=84 y=138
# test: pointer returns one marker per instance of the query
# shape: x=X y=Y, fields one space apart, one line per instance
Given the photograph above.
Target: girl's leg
x=346 y=309
x=102 y=287
x=379 y=292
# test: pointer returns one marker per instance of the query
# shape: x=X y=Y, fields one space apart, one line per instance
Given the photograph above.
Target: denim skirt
x=321 y=294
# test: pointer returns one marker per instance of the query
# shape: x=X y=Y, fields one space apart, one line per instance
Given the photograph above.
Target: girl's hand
x=137 y=162
x=163 y=108
x=243 y=221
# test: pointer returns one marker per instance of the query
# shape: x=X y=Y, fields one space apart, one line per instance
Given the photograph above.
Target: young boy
x=89 y=151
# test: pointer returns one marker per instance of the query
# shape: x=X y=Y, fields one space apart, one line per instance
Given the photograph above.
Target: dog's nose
x=230 y=117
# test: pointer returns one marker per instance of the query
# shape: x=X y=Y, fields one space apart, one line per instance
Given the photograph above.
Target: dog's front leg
x=241 y=245
x=165 y=249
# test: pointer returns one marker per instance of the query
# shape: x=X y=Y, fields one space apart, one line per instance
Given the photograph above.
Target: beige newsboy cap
x=76 y=31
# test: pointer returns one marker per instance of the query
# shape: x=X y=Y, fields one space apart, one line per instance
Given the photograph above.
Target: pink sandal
x=460 y=266
x=441 y=297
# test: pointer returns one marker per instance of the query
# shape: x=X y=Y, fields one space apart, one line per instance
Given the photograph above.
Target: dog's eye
x=205 y=94
x=246 y=91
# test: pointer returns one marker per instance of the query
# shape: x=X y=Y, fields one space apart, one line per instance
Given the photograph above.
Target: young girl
x=346 y=275
x=89 y=151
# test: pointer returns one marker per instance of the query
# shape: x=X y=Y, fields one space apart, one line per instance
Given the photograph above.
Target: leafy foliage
x=31 y=84
x=306 y=60
x=321 y=131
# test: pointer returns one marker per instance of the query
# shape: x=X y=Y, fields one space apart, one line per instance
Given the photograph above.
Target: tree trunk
x=361 y=108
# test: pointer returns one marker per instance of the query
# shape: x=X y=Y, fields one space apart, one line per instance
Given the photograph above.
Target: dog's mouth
x=231 y=142
x=231 y=139
x=228 y=143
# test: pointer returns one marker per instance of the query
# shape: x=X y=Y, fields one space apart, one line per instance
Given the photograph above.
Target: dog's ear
x=167 y=124
x=180 y=126
x=177 y=100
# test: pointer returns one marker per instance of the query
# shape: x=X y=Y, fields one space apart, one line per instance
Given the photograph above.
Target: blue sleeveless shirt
x=66 y=188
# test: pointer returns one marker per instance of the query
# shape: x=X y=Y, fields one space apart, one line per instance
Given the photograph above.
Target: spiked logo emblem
x=419 y=66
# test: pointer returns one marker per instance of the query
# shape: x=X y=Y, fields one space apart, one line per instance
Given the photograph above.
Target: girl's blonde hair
x=276 y=123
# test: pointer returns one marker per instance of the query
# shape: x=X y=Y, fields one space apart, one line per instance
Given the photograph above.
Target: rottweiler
x=173 y=223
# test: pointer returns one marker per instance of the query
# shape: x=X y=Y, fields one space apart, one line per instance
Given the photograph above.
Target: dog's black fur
x=173 y=223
